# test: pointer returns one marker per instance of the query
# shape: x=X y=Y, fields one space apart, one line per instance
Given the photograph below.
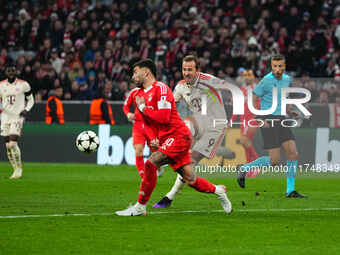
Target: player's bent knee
x=139 y=153
x=158 y=159
x=188 y=175
x=12 y=143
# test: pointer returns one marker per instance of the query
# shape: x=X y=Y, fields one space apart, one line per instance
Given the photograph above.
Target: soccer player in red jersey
x=168 y=132
x=248 y=131
x=139 y=137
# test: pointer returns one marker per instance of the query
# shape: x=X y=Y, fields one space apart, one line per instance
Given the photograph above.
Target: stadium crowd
x=85 y=46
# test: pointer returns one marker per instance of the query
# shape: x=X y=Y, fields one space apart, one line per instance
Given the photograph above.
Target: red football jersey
x=131 y=100
x=160 y=114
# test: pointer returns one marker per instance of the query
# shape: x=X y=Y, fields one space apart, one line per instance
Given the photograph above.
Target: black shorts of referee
x=276 y=133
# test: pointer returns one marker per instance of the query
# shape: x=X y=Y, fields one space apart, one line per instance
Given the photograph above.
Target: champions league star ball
x=87 y=142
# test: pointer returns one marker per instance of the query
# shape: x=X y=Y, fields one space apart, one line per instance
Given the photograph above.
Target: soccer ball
x=87 y=142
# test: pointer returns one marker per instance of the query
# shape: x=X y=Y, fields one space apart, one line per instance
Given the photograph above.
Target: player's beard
x=189 y=80
x=11 y=79
x=278 y=75
x=139 y=84
x=11 y=76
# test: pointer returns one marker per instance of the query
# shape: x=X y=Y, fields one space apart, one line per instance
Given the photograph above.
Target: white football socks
x=16 y=156
x=11 y=157
x=178 y=186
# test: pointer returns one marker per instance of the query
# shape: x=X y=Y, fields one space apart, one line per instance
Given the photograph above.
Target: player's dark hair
x=278 y=57
x=190 y=58
x=10 y=64
x=148 y=63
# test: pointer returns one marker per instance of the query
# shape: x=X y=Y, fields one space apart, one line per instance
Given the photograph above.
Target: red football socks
x=140 y=165
x=203 y=185
x=148 y=182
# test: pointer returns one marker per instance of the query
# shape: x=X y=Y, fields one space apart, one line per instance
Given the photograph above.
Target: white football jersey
x=206 y=86
x=12 y=96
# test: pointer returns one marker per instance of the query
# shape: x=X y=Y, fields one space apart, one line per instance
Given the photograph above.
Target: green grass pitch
x=68 y=209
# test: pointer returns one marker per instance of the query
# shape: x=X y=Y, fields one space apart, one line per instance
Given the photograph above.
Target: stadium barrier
x=56 y=143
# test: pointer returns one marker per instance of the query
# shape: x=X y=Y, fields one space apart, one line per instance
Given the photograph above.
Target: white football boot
x=221 y=192
x=16 y=174
x=134 y=210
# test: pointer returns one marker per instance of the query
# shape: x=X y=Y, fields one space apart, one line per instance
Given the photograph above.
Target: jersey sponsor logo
x=10 y=99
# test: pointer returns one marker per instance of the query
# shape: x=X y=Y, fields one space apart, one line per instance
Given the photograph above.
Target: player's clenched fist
x=140 y=101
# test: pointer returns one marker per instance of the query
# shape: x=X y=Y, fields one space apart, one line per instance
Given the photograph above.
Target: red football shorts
x=178 y=149
x=139 y=137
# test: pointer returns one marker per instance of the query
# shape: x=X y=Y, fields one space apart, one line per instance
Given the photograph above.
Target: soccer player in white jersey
x=17 y=100
x=196 y=87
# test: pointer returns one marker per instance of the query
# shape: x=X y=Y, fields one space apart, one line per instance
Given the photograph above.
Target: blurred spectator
x=323 y=98
x=57 y=63
x=54 y=107
x=92 y=85
x=100 y=109
x=120 y=91
x=107 y=36
x=240 y=79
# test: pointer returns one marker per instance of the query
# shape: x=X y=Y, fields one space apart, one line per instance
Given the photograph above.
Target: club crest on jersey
x=150 y=97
